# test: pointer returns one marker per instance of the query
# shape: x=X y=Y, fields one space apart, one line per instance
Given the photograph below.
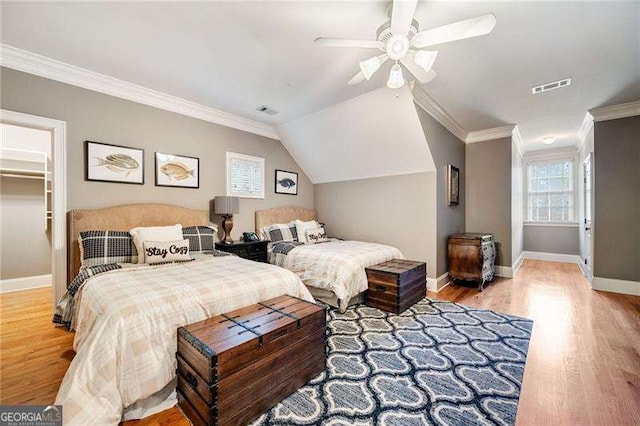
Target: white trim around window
x=540 y=196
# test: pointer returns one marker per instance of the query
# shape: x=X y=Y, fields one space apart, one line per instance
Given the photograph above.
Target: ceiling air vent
x=551 y=86
x=267 y=110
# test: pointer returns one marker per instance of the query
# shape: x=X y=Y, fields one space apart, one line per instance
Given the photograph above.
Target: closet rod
x=21 y=176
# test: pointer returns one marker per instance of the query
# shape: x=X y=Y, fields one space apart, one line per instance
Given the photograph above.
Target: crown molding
x=517 y=140
x=52 y=69
x=427 y=103
x=490 y=134
x=613 y=112
x=585 y=128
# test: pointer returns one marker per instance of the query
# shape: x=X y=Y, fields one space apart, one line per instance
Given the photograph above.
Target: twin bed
x=126 y=315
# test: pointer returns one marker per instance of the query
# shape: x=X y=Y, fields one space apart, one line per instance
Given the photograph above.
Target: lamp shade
x=226 y=205
x=370 y=66
x=396 y=80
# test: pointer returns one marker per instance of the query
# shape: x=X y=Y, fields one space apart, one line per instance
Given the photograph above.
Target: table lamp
x=226 y=206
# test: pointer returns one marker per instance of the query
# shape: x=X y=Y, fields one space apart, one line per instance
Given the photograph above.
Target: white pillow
x=302 y=227
x=154 y=233
x=166 y=251
x=317 y=235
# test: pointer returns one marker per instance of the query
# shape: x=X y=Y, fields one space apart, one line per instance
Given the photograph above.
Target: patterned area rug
x=437 y=363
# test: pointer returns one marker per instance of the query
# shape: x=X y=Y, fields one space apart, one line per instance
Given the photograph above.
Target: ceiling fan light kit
x=401 y=40
x=425 y=59
x=372 y=65
x=396 y=79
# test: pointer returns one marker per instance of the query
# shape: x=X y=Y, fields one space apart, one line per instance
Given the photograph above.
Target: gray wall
x=393 y=210
x=616 y=223
x=25 y=246
x=445 y=149
x=94 y=116
x=552 y=239
x=488 y=189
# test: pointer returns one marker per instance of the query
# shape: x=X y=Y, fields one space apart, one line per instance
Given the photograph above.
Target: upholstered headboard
x=123 y=218
x=282 y=215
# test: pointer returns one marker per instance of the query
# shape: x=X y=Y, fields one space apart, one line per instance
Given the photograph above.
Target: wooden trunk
x=471 y=257
x=396 y=285
x=235 y=366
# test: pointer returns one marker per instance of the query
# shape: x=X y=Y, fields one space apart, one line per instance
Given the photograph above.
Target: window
x=245 y=175
x=550 y=192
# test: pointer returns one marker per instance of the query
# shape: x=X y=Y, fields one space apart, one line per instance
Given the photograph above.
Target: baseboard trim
x=26 y=283
x=553 y=257
x=442 y=281
x=432 y=284
x=516 y=266
x=504 y=271
x=616 y=286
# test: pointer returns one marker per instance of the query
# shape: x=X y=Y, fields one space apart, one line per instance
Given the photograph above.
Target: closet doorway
x=32 y=203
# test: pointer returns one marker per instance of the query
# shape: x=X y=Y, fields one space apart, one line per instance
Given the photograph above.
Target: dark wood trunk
x=396 y=285
x=235 y=366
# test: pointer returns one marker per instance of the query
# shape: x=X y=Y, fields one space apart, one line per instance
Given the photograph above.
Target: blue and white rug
x=437 y=363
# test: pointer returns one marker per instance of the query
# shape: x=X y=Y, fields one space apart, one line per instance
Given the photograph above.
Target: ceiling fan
x=402 y=42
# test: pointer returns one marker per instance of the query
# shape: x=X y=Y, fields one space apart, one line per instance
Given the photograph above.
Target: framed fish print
x=177 y=170
x=113 y=163
x=286 y=182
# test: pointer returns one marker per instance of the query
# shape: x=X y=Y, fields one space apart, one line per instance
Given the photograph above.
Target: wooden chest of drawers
x=235 y=366
x=396 y=285
x=472 y=257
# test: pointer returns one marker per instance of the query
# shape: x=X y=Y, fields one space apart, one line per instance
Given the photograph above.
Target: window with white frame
x=550 y=192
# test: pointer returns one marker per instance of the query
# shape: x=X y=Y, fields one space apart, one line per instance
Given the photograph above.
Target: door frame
x=58 y=130
x=588 y=226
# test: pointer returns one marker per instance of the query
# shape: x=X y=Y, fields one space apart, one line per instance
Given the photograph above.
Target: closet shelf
x=16 y=163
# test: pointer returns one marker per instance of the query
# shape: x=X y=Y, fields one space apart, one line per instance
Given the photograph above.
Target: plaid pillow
x=281 y=232
x=201 y=238
x=104 y=247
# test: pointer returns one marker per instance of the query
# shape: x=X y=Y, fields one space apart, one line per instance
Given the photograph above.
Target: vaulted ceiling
x=236 y=56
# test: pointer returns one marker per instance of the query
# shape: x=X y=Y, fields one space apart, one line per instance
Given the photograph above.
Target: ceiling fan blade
x=415 y=69
x=468 y=28
x=343 y=42
x=401 y=16
x=358 y=78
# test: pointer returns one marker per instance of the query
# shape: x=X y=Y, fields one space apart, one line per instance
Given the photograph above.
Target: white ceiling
x=375 y=134
x=237 y=56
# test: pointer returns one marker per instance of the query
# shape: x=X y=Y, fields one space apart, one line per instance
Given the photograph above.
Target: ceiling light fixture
x=396 y=80
x=372 y=65
x=425 y=59
x=548 y=140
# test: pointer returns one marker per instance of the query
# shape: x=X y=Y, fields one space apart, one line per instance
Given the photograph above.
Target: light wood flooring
x=583 y=365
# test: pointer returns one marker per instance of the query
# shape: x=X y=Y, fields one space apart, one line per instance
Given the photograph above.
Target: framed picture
x=177 y=170
x=245 y=175
x=453 y=185
x=113 y=163
x=286 y=182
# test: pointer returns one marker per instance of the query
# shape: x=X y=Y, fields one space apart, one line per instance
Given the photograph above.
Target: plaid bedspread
x=336 y=265
x=126 y=323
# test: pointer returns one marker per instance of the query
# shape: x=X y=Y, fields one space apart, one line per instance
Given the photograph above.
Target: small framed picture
x=286 y=182
x=453 y=185
x=113 y=163
x=177 y=170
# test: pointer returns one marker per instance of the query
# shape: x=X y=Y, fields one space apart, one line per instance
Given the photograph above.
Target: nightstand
x=252 y=250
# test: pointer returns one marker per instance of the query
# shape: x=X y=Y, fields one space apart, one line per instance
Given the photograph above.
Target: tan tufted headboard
x=123 y=218
x=282 y=215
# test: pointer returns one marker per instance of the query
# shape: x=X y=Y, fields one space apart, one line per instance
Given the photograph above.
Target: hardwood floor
x=583 y=365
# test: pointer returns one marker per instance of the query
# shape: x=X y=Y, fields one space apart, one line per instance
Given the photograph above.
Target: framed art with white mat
x=286 y=182
x=113 y=163
x=177 y=170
